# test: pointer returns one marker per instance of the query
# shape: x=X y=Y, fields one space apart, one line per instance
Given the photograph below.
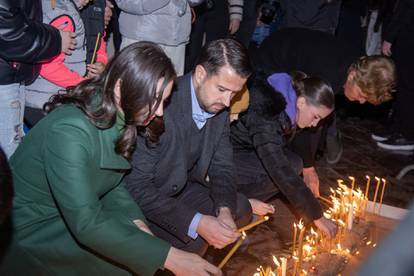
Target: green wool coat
x=71 y=214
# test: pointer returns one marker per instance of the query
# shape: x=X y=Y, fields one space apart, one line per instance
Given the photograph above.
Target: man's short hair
x=222 y=52
x=375 y=75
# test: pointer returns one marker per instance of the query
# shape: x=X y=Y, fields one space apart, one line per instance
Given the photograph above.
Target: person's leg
x=11 y=124
x=127 y=41
x=177 y=56
x=334 y=147
x=217 y=21
x=193 y=48
x=198 y=197
x=248 y=24
x=252 y=179
x=305 y=144
x=32 y=116
x=403 y=107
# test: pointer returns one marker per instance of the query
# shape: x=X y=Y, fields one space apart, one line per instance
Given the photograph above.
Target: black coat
x=160 y=173
x=24 y=41
x=261 y=129
x=401 y=25
x=313 y=52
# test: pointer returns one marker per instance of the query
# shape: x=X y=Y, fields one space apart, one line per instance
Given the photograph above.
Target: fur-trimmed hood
x=265 y=101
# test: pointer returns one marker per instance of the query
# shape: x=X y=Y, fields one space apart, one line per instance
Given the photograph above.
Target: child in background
x=64 y=70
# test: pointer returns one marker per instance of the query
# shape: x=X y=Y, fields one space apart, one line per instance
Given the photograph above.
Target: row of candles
x=347 y=203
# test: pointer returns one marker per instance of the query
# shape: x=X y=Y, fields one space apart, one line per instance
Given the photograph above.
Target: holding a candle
x=265 y=168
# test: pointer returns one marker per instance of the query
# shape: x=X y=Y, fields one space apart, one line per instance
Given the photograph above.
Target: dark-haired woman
x=279 y=105
x=71 y=213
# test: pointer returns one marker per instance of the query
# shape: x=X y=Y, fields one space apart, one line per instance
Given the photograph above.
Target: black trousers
x=248 y=23
x=252 y=179
x=214 y=23
x=32 y=116
x=198 y=196
x=403 y=56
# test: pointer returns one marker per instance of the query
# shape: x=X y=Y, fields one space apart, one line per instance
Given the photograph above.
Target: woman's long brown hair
x=139 y=67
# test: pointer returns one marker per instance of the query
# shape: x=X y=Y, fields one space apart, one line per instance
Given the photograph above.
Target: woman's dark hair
x=222 y=52
x=315 y=90
x=139 y=67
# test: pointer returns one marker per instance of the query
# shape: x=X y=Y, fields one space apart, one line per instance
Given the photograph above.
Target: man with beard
x=184 y=183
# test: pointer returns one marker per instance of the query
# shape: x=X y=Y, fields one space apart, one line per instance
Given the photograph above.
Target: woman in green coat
x=71 y=214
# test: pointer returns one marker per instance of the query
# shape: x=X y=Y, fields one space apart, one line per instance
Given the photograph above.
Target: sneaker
x=382 y=135
x=334 y=148
x=397 y=142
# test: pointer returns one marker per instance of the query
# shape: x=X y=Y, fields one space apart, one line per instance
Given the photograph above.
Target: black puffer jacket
x=24 y=41
x=262 y=129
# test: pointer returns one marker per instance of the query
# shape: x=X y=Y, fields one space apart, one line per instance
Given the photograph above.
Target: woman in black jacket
x=279 y=106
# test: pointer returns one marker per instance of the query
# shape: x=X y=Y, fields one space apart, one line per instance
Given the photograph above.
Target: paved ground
x=361 y=157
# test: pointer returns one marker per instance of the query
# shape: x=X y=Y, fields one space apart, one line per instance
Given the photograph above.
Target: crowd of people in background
x=136 y=134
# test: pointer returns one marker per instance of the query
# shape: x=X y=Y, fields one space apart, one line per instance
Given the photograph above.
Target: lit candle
x=382 y=193
x=294 y=238
x=376 y=193
x=365 y=201
x=232 y=251
x=253 y=224
x=284 y=265
x=277 y=270
x=367 y=186
x=352 y=187
x=350 y=217
x=300 y=249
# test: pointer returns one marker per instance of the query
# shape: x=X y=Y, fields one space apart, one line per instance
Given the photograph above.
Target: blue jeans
x=11 y=123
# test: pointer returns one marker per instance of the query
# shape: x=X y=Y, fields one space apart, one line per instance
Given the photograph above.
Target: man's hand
x=261 y=208
x=386 y=48
x=182 y=263
x=218 y=232
x=68 y=39
x=108 y=12
x=311 y=179
x=326 y=226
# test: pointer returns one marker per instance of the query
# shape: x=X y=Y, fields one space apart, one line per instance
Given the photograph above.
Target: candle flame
x=275 y=260
x=300 y=225
x=307 y=248
x=341 y=222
